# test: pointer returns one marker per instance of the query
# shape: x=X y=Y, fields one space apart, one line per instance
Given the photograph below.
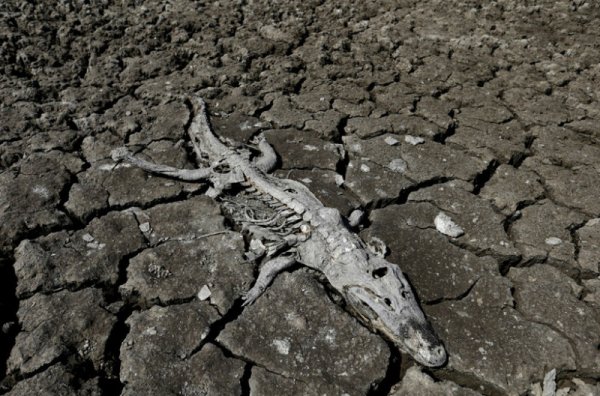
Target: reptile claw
x=247 y=301
x=250 y=297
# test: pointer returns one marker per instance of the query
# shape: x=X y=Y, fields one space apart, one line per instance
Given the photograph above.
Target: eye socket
x=405 y=294
x=379 y=272
x=290 y=190
x=387 y=302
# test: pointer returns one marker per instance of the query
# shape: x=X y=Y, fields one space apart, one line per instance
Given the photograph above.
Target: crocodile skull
x=383 y=299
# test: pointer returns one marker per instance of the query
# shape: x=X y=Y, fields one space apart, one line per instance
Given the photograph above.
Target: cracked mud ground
x=488 y=114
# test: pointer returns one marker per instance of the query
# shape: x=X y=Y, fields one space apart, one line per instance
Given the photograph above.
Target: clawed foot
x=251 y=296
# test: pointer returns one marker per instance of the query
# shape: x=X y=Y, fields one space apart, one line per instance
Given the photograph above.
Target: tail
x=203 y=138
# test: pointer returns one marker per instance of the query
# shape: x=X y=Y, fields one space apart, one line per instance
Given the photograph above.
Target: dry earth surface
x=487 y=113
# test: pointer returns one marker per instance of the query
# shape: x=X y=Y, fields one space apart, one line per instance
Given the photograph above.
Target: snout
x=432 y=357
x=423 y=345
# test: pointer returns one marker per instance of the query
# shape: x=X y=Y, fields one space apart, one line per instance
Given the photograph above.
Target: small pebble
x=397 y=165
x=553 y=241
x=414 y=140
x=445 y=225
x=204 y=293
x=87 y=238
x=391 y=141
x=145 y=227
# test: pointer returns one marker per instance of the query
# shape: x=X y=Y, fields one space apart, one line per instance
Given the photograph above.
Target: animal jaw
x=298 y=228
x=383 y=299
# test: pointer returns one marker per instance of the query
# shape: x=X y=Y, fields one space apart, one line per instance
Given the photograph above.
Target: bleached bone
x=122 y=154
x=266 y=275
x=375 y=289
x=268 y=157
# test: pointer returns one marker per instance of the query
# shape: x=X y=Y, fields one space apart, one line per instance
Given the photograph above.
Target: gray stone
x=314 y=341
x=177 y=270
x=414 y=140
x=56 y=381
x=90 y=256
x=510 y=187
x=483 y=227
x=59 y=325
x=437 y=269
x=417 y=383
x=159 y=354
x=589 y=246
x=304 y=150
x=485 y=338
x=540 y=222
x=545 y=295
x=444 y=224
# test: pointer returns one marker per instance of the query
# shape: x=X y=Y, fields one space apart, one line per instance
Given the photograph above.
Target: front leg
x=267 y=273
x=268 y=157
x=122 y=154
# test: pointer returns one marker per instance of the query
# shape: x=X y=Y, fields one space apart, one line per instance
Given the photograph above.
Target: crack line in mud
x=9 y=305
x=393 y=372
x=459 y=297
